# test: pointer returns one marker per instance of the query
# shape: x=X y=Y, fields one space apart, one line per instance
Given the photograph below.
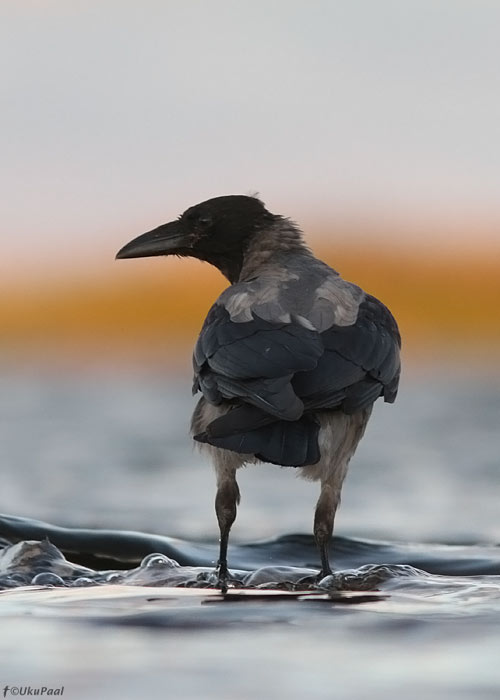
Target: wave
x=38 y=553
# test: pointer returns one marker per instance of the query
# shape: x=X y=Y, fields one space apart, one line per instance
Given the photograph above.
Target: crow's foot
x=313 y=580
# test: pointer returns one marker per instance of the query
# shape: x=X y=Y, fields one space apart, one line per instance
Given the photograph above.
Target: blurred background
x=375 y=126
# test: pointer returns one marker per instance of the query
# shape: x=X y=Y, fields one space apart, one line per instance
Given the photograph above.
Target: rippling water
x=414 y=606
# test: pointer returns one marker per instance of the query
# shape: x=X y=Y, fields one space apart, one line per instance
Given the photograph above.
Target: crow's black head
x=217 y=231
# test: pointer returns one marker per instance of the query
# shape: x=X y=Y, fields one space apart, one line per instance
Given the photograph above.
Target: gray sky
x=117 y=115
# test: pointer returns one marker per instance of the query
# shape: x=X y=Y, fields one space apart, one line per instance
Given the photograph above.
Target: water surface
x=414 y=606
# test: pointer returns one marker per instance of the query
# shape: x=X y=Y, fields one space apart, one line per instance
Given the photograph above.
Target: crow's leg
x=339 y=436
x=324 y=517
x=226 y=500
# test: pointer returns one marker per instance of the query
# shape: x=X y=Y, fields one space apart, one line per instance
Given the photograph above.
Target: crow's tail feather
x=287 y=443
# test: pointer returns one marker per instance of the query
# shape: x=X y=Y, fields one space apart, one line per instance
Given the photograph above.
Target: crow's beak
x=169 y=239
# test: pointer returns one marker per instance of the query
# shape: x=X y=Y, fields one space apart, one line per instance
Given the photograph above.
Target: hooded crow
x=290 y=358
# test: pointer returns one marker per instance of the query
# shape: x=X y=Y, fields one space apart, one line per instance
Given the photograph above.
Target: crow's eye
x=205 y=221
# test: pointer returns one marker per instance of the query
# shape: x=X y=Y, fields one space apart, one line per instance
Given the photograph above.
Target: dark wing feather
x=278 y=374
x=360 y=363
x=254 y=361
x=256 y=348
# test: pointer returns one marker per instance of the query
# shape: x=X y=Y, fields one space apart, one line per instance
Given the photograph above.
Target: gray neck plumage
x=266 y=248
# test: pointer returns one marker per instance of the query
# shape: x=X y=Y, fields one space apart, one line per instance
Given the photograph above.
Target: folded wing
x=277 y=375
